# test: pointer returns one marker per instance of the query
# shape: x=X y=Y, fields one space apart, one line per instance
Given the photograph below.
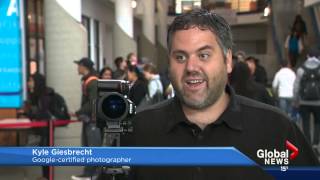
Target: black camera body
x=113 y=108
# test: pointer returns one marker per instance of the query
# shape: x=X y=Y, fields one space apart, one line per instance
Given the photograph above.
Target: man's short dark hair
x=252 y=59
x=118 y=61
x=284 y=63
x=150 y=68
x=204 y=20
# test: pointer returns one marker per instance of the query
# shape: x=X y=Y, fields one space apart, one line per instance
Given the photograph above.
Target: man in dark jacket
x=91 y=135
x=258 y=72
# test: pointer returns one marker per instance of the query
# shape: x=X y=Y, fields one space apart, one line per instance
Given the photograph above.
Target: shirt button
x=200 y=137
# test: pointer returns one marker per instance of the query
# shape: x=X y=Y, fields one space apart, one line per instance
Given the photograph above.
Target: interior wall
x=104 y=13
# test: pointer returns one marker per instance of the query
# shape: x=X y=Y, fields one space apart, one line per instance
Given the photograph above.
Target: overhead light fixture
x=197 y=3
x=266 y=11
x=133 y=4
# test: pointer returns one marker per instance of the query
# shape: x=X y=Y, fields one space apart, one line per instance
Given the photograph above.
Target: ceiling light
x=266 y=11
x=133 y=4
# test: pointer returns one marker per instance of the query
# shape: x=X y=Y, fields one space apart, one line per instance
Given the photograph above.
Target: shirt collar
x=155 y=77
x=231 y=116
x=88 y=75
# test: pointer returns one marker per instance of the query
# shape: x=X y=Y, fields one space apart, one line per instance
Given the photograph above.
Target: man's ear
x=229 y=61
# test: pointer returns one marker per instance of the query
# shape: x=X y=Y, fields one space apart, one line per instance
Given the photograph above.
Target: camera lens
x=114 y=106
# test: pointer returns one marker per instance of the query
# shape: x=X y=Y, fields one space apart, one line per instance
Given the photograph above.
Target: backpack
x=310 y=84
x=157 y=97
x=148 y=101
x=58 y=107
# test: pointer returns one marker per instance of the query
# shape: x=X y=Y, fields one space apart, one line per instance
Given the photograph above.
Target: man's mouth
x=194 y=84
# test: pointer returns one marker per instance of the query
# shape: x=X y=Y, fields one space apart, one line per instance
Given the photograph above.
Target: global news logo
x=279 y=158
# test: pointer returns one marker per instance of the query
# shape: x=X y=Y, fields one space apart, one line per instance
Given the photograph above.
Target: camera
x=113 y=108
x=112 y=111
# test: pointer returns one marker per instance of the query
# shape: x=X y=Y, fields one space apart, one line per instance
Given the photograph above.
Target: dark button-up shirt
x=245 y=124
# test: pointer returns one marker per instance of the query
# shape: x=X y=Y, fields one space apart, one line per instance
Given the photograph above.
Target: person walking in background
x=257 y=71
x=168 y=91
x=241 y=55
x=294 y=47
x=299 y=26
x=155 y=88
x=132 y=59
x=243 y=84
x=307 y=94
x=91 y=135
x=283 y=86
x=121 y=66
x=138 y=87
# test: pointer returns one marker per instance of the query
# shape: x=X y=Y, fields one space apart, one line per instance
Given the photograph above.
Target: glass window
x=240 y=6
x=244 y=5
x=35 y=35
x=183 y=6
x=97 y=43
x=86 y=24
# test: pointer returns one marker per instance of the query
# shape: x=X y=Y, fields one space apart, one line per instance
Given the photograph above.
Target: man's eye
x=204 y=56
x=180 y=58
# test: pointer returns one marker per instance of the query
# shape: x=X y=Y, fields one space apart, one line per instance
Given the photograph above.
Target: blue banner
x=310 y=173
x=10 y=55
x=119 y=156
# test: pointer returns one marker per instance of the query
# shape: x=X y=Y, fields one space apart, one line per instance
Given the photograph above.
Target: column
x=147 y=42
x=65 y=41
x=163 y=22
x=123 y=29
x=148 y=20
x=162 y=62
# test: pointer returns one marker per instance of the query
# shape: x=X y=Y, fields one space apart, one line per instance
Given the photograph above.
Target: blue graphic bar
x=119 y=156
x=310 y=173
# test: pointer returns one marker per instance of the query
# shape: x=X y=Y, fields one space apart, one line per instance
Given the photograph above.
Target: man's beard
x=215 y=88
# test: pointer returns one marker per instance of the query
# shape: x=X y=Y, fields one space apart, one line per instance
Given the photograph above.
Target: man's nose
x=192 y=64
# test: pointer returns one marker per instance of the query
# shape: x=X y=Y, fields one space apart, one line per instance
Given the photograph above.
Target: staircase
x=283 y=14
